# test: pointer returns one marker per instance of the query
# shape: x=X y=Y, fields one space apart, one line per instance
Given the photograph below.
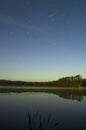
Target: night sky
x=42 y=40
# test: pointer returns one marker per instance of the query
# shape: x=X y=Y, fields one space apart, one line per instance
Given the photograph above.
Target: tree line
x=72 y=81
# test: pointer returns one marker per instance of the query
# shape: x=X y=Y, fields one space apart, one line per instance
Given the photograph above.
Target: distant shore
x=32 y=88
x=72 y=82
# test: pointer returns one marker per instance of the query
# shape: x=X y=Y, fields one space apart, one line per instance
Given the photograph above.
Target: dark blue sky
x=42 y=40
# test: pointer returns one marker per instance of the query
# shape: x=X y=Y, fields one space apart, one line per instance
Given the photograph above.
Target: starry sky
x=42 y=40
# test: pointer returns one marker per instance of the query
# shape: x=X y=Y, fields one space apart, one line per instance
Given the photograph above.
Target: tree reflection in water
x=73 y=94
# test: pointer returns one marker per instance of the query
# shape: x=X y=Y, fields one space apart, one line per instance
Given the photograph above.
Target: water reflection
x=17 y=109
x=73 y=94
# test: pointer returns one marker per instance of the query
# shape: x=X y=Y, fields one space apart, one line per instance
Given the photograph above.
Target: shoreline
x=39 y=88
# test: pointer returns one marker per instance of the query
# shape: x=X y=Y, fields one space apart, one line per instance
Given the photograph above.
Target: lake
x=50 y=109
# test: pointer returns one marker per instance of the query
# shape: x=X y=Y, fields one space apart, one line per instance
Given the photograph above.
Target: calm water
x=67 y=107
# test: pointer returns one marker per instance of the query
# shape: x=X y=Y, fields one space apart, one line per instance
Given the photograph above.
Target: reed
x=37 y=122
